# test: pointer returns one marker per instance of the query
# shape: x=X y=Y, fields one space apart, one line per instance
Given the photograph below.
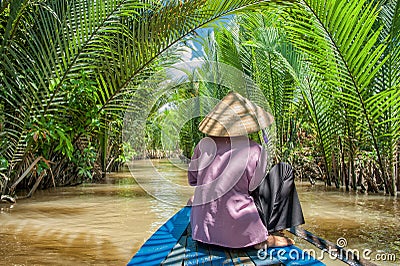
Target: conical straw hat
x=233 y=116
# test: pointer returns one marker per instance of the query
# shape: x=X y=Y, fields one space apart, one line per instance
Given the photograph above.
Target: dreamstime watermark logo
x=333 y=253
x=152 y=104
x=341 y=242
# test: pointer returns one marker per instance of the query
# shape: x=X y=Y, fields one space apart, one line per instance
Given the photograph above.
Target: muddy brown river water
x=105 y=224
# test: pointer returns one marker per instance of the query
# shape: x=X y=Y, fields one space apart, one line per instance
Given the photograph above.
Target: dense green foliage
x=332 y=84
x=329 y=70
x=67 y=69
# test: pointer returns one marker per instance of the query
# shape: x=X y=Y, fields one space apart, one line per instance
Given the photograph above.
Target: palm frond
x=117 y=44
x=388 y=78
x=322 y=109
x=354 y=53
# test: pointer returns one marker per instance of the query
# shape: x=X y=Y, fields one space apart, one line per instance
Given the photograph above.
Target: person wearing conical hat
x=235 y=203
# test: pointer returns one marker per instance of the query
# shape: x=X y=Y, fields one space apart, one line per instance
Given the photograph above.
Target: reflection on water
x=162 y=181
x=105 y=224
x=367 y=222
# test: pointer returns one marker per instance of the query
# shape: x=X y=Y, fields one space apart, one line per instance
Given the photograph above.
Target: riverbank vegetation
x=330 y=71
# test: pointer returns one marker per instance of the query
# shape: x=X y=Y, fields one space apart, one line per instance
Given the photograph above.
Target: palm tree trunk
x=396 y=175
x=353 y=171
x=320 y=138
x=347 y=175
x=335 y=169
x=342 y=163
x=103 y=151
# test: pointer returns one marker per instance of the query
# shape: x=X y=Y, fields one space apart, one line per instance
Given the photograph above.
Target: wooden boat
x=172 y=244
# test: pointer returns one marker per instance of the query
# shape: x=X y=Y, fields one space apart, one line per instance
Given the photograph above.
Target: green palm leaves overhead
x=340 y=58
x=103 y=48
x=251 y=44
x=343 y=42
x=68 y=68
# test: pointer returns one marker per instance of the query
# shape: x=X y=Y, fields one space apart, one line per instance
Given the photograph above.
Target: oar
x=332 y=249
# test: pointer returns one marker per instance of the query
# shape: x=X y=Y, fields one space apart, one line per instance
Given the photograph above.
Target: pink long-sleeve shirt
x=224 y=171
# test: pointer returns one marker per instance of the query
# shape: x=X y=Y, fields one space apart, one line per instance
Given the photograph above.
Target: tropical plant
x=342 y=41
x=253 y=45
x=344 y=59
x=69 y=68
x=50 y=48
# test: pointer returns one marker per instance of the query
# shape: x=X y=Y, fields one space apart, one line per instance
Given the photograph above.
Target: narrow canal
x=105 y=224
